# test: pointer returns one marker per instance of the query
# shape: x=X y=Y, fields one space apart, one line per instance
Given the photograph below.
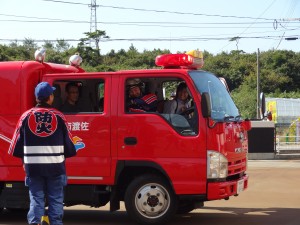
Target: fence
x=286 y=141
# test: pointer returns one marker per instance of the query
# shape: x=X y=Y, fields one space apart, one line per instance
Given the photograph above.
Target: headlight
x=217 y=165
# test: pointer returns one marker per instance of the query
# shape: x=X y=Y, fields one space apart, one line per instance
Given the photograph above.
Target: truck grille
x=237 y=166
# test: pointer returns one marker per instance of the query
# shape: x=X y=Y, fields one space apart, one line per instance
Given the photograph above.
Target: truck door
x=88 y=120
x=154 y=139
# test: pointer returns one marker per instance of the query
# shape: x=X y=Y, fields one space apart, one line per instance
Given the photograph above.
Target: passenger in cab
x=137 y=101
x=180 y=103
x=72 y=95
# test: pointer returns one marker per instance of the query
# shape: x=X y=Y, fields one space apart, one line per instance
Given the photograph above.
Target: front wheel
x=149 y=199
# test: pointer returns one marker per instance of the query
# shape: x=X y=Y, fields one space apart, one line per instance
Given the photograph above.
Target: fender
x=122 y=164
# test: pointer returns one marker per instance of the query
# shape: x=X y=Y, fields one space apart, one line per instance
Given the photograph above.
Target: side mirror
x=262 y=105
x=205 y=105
x=222 y=79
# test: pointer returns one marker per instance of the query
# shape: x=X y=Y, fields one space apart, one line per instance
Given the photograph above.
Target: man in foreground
x=43 y=141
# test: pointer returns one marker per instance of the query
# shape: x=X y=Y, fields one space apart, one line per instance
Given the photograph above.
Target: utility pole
x=93 y=20
x=258 y=116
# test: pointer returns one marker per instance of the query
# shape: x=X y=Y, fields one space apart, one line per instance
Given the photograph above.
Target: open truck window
x=84 y=96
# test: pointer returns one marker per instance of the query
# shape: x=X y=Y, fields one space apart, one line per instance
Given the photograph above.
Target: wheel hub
x=152 y=200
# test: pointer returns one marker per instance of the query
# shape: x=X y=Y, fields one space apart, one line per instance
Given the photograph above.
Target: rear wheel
x=149 y=199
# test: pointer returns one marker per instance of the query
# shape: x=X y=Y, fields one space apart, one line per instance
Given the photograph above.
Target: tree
x=95 y=36
x=4 y=56
x=48 y=45
x=29 y=44
x=245 y=98
x=62 y=45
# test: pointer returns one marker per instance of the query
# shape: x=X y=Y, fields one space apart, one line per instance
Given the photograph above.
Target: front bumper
x=222 y=190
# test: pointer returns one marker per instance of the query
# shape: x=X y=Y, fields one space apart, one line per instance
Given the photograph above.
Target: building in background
x=284 y=110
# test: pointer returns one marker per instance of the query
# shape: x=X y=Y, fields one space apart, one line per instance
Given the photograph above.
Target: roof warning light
x=189 y=60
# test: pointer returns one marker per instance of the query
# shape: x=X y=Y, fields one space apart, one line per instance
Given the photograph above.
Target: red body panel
x=182 y=158
x=225 y=138
x=18 y=80
x=222 y=190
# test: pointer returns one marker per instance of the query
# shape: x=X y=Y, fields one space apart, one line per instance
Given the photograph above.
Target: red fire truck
x=159 y=164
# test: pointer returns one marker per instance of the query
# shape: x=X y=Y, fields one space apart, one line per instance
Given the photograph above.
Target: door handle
x=130 y=141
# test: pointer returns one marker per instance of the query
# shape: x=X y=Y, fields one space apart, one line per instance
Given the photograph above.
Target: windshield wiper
x=238 y=118
x=232 y=118
x=228 y=118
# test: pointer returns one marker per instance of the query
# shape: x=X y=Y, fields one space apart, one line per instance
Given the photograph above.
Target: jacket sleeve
x=69 y=147
x=16 y=147
x=150 y=102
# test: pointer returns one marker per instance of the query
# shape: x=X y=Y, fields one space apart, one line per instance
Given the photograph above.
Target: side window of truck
x=179 y=108
x=79 y=96
x=157 y=95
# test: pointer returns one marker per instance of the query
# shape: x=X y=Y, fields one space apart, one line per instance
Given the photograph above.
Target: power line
x=138 y=23
x=130 y=23
x=43 y=18
x=284 y=23
x=74 y=3
x=280 y=40
x=173 y=24
x=143 y=24
x=164 y=11
x=253 y=22
x=289 y=20
x=294 y=37
x=133 y=24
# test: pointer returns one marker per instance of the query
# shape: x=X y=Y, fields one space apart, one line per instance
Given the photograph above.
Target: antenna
x=93 y=20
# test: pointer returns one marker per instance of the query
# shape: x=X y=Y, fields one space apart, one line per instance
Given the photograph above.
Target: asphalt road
x=273 y=198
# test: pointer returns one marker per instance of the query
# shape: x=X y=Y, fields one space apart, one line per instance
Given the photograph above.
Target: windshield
x=222 y=105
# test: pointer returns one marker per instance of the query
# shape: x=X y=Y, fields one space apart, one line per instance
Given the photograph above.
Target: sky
x=211 y=25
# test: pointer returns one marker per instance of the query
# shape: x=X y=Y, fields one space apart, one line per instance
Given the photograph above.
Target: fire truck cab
x=159 y=164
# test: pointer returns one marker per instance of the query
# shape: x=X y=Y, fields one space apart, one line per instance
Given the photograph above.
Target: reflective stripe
x=43 y=149
x=43 y=159
x=84 y=178
x=47 y=150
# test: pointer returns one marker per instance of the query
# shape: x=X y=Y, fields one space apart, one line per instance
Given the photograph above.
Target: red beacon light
x=189 y=60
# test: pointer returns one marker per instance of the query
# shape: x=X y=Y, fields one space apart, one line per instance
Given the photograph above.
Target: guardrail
x=287 y=145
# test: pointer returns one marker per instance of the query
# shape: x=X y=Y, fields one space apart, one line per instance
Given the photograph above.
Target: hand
x=138 y=101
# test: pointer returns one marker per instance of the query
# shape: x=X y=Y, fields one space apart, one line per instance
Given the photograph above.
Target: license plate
x=240 y=186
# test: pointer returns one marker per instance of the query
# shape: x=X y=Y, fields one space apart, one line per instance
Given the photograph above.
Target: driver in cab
x=180 y=103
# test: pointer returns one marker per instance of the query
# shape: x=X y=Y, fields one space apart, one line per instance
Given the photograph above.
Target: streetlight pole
x=258 y=116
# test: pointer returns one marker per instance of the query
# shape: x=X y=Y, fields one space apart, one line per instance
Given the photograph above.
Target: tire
x=185 y=207
x=149 y=199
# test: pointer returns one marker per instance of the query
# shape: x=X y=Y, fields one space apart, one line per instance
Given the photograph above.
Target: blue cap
x=43 y=90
